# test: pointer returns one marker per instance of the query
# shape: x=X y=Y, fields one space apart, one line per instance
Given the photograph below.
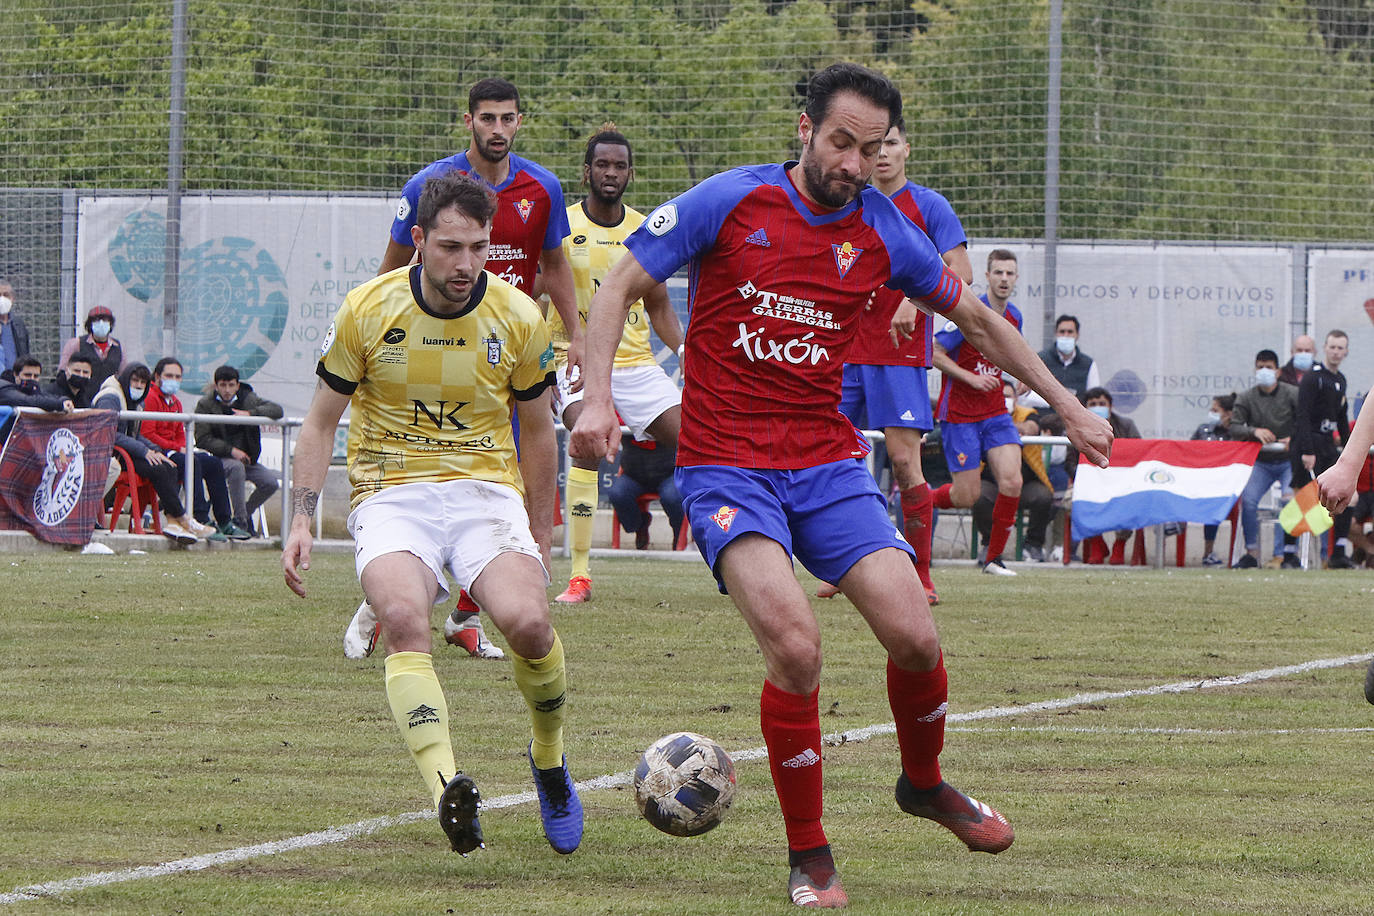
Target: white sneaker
x=470 y=636
x=196 y=528
x=360 y=638
x=177 y=533
x=995 y=568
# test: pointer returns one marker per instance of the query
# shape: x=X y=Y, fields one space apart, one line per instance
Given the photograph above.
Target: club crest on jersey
x=724 y=517
x=845 y=257
x=523 y=208
x=493 y=347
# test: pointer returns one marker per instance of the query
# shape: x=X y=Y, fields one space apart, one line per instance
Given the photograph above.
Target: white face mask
x=5 y=305
x=1065 y=345
x=137 y=392
x=1266 y=377
x=1213 y=418
x=1302 y=361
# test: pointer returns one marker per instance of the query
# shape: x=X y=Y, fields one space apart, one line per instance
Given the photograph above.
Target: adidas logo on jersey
x=758 y=237
x=807 y=758
x=907 y=415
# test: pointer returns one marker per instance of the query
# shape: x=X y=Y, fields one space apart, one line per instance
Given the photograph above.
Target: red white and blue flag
x=52 y=474
x=1154 y=481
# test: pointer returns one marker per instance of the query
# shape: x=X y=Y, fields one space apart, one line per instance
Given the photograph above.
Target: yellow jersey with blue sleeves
x=592 y=249
x=432 y=395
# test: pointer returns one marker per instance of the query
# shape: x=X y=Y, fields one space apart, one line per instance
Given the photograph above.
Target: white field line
x=347 y=832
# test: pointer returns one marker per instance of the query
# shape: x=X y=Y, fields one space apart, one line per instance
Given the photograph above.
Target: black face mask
x=28 y=386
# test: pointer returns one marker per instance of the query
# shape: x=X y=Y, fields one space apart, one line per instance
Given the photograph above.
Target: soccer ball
x=684 y=784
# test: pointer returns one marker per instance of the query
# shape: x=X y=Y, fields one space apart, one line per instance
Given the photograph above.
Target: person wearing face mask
x=1321 y=426
x=1037 y=497
x=126 y=391
x=74 y=382
x=1217 y=428
x=1099 y=401
x=1266 y=414
x=170 y=437
x=1303 y=358
x=238 y=447
x=98 y=345
x=14 y=334
x=22 y=390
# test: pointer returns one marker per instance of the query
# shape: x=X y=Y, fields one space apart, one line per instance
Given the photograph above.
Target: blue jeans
x=1262 y=477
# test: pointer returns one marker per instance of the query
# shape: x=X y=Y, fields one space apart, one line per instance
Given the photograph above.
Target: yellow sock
x=421 y=713
x=582 y=499
x=544 y=684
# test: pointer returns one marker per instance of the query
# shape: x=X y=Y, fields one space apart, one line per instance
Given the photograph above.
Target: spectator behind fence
x=645 y=467
x=102 y=350
x=14 y=334
x=126 y=391
x=75 y=382
x=21 y=390
x=1076 y=371
x=1265 y=413
x=1322 y=423
x=238 y=447
x=170 y=437
x=1304 y=355
x=1216 y=429
x=1037 y=497
x=1099 y=401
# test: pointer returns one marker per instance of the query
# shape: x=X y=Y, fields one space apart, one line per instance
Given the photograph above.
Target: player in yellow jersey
x=432 y=358
x=648 y=401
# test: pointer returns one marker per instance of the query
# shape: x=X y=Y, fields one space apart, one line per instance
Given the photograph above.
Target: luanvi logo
x=423 y=715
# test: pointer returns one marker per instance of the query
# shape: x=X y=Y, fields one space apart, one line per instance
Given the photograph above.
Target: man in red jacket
x=170 y=436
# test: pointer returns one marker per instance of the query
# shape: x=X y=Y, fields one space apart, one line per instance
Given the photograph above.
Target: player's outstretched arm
x=558 y=283
x=662 y=318
x=539 y=467
x=309 y=464
x=994 y=336
x=396 y=255
x=1336 y=485
x=597 y=432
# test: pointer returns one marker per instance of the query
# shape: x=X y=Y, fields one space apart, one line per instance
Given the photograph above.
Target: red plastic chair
x=139 y=492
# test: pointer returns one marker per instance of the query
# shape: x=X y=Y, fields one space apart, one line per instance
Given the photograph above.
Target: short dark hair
x=1336 y=332
x=1267 y=356
x=25 y=362
x=1227 y=401
x=226 y=374
x=825 y=84
x=1098 y=392
x=492 y=89
x=454 y=189
x=164 y=363
x=80 y=358
x=999 y=254
x=608 y=135
x=1063 y=318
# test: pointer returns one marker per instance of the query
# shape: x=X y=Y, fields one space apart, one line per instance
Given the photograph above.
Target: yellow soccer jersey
x=432 y=396
x=592 y=249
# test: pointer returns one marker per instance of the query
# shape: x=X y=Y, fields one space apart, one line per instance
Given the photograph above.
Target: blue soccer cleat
x=559 y=807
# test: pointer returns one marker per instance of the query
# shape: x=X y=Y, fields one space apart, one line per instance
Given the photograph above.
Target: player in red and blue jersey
x=527 y=235
x=783 y=259
x=885 y=383
x=974 y=417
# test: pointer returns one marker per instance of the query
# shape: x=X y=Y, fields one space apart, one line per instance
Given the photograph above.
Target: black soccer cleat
x=458 y=814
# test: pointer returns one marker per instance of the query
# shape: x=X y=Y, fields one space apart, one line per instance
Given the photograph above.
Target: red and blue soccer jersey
x=530 y=215
x=776 y=291
x=934 y=216
x=959 y=403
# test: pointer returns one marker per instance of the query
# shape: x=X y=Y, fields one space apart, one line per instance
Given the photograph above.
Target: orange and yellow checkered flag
x=1304 y=514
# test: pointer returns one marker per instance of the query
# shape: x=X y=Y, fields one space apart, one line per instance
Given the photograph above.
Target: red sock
x=919 y=700
x=1003 y=520
x=792 y=733
x=917 y=517
x=1094 y=550
x=940 y=497
x=1118 y=552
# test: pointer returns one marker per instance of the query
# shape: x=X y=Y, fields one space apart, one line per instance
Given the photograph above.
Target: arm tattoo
x=303 y=501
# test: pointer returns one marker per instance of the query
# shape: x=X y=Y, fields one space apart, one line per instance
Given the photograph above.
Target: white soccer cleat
x=996 y=568
x=360 y=638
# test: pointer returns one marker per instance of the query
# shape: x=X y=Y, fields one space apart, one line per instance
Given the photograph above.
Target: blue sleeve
x=917 y=269
x=558 y=228
x=942 y=222
x=687 y=226
x=949 y=337
x=405 y=209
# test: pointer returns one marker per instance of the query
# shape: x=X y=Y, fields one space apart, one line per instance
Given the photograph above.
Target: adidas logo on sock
x=807 y=758
x=758 y=237
x=935 y=716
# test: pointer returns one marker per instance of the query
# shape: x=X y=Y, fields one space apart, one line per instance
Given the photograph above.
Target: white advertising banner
x=1170 y=326
x=1341 y=291
x=261 y=277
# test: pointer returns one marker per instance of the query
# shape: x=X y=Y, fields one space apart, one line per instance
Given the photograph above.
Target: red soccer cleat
x=814 y=883
x=579 y=591
x=981 y=828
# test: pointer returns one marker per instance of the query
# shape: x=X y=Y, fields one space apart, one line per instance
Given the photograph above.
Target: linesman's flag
x=52 y=474
x=1304 y=513
x=1154 y=481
